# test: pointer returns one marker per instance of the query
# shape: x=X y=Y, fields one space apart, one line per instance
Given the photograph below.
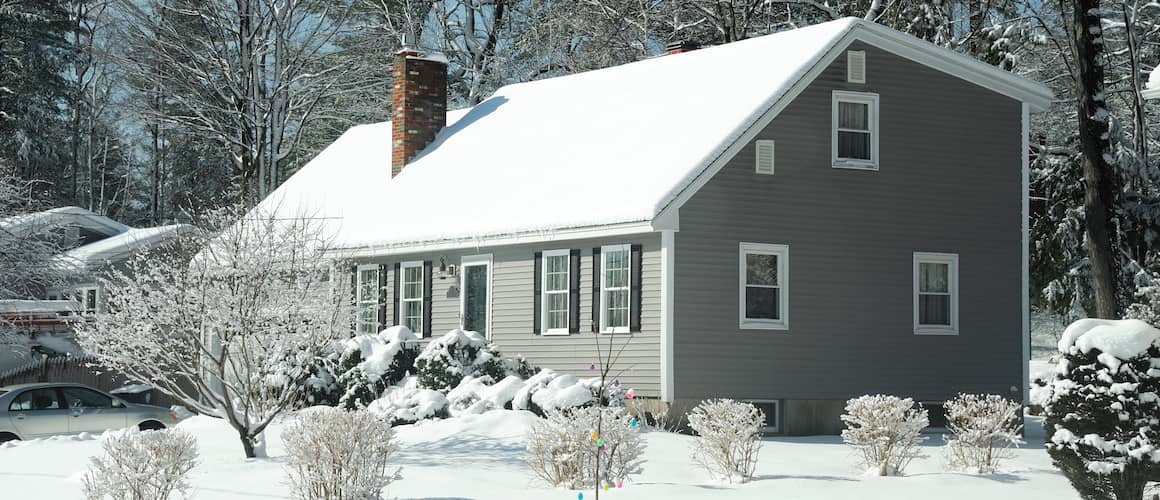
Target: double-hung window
x=855 y=130
x=555 y=289
x=764 y=286
x=936 y=293
x=615 y=285
x=411 y=296
x=367 y=299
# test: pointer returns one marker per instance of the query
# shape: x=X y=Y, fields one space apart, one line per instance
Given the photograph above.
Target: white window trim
x=604 y=251
x=952 y=259
x=403 y=299
x=870 y=99
x=361 y=301
x=464 y=263
x=782 y=253
x=544 y=330
x=777 y=408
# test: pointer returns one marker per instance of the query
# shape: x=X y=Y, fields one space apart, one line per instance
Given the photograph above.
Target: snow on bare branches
x=233 y=333
x=136 y=465
x=728 y=438
x=984 y=430
x=563 y=448
x=324 y=463
x=884 y=430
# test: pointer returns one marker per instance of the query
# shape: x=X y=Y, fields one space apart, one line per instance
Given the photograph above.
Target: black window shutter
x=426 y=298
x=596 y=290
x=574 y=291
x=354 y=300
x=537 y=291
x=382 y=296
x=395 y=298
x=634 y=288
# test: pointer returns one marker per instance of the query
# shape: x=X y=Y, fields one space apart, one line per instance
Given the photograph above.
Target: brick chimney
x=680 y=47
x=418 y=105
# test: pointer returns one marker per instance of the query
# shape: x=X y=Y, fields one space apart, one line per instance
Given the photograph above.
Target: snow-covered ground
x=481 y=457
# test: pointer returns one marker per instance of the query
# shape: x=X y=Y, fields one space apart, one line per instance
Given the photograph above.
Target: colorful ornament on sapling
x=594 y=435
x=629 y=394
x=620 y=484
x=591 y=367
x=616 y=383
x=600 y=442
x=632 y=423
x=580 y=496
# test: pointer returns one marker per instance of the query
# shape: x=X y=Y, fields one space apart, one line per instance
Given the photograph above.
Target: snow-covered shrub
x=457 y=354
x=407 y=403
x=137 y=465
x=984 y=430
x=549 y=391
x=563 y=448
x=474 y=395
x=1103 y=412
x=728 y=438
x=371 y=363
x=884 y=430
x=337 y=454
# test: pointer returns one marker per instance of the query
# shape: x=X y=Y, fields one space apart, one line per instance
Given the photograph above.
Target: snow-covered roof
x=606 y=148
x=121 y=246
x=61 y=217
x=22 y=306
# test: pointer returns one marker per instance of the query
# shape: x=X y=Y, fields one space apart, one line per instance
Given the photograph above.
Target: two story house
x=793 y=219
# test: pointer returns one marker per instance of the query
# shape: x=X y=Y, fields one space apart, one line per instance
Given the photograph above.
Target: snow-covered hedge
x=457 y=354
x=563 y=448
x=1110 y=378
x=549 y=391
x=407 y=403
x=476 y=395
x=336 y=454
x=150 y=465
x=884 y=430
x=728 y=438
x=984 y=431
x=374 y=362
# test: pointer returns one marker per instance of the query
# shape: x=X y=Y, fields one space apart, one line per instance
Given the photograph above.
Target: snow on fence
x=74 y=369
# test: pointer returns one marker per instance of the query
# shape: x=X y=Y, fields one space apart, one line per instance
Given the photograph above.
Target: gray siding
x=512 y=309
x=949 y=181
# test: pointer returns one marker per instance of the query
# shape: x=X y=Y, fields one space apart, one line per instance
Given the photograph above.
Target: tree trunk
x=1099 y=179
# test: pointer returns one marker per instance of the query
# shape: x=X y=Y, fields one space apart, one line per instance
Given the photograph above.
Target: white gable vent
x=856 y=66
x=764 y=157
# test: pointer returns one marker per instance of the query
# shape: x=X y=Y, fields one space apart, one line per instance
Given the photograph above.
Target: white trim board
x=576 y=233
x=668 y=293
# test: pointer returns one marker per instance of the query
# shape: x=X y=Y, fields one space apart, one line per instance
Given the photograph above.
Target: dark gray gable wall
x=949 y=181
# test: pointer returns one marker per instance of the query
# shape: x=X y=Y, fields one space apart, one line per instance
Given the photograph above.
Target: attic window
x=856 y=66
x=764 y=157
x=855 y=130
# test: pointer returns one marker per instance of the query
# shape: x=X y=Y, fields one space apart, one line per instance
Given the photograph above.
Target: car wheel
x=6 y=437
x=151 y=425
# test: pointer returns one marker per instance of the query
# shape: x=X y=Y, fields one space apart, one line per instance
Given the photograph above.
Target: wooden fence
x=74 y=369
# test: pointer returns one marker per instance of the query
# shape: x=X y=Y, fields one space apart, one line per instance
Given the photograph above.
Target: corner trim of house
x=668 y=289
x=1025 y=275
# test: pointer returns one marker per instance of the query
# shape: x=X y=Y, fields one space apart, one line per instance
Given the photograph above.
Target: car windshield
x=2 y=391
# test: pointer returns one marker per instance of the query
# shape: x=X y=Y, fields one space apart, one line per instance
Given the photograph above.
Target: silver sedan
x=29 y=411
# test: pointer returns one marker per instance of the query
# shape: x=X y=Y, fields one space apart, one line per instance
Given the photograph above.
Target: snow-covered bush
x=371 y=363
x=728 y=438
x=563 y=448
x=457 y=354
x=137 y=465
x=407 y=403
x=336 y=454
x=1103 y=411
x=549 y=391
x=884 y=430
x=984 y=430
x=475 y=395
